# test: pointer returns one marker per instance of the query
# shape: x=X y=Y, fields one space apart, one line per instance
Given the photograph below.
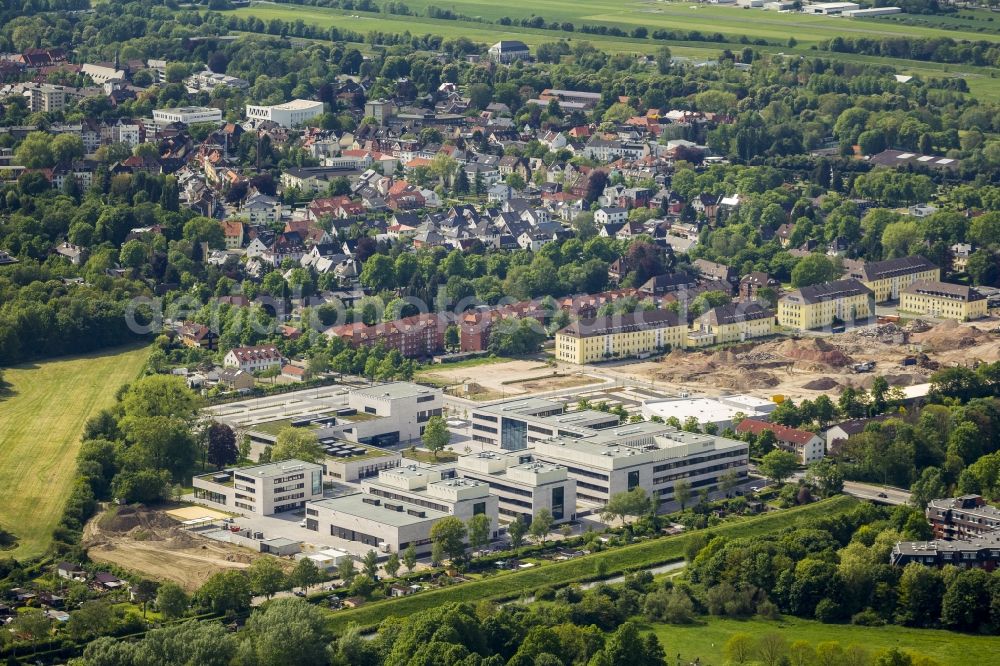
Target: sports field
x=42 y=413
x=732 y=22
x=707 y=640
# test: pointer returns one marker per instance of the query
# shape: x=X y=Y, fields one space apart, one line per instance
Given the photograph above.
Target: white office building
x=523 y=487
x=262 y=490
x=647 y=455
x=290 y=114
x=400 y=508
x=518 y=424
x=187 y=115
x=605 y=458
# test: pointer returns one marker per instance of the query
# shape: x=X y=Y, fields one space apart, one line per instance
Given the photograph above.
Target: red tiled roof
x=781 y=433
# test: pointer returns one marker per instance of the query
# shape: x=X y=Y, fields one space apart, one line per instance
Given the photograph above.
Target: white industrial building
x=400 y=508
x=262 y=490
x=831 y=8
x=873 y=11
x=290 y=114
x=188 y=115
x=718 y=411
x=522 y=486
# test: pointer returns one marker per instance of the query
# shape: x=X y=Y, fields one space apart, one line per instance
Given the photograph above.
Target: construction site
x=805 y=367
x=158 y=544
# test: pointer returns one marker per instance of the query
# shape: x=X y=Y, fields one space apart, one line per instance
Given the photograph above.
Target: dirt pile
x=950 y=335
x=814 y=351
x=134 y=519
x=821 y=384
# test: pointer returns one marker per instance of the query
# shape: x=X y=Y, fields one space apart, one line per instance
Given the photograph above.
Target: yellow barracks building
x=820 y=305
x=620 y=336
x=944 y=300
x=889 y=278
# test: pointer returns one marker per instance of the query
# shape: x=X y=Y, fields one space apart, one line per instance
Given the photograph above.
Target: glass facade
x=317 y=481
x=513 y=435
x=633 y=479
x=558 y=503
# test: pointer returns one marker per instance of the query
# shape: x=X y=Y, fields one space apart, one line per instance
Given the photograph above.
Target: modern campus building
x=400 y=508
x=604 y=457
x=822 y=305
x=188 y=115
x=943 y=300
x=523 y=487
x=518 y=424
x=652 y=456
x=288 y=115
x=887 y=279
x=352 y=428
x=620 y=336
x=509 y=50
x=263 y=490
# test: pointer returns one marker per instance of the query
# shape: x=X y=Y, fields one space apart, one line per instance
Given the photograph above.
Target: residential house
x=753 y=282
x=233 y=233
x=193 y=334
x=253 y=359
x=235 y=379
x=807 y=446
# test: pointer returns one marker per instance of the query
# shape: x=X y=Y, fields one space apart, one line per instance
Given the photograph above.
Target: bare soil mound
x=814 y=350
x=821 y=384
x=950 y=335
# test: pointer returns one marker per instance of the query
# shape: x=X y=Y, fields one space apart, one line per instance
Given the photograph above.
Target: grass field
x=41 y=418
x=707 y=640
x=708 y=19
x=641 y=555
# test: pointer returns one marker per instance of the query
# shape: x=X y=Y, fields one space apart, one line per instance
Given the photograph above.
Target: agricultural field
x=42 y=413
x=706 y=640
x=733 y=22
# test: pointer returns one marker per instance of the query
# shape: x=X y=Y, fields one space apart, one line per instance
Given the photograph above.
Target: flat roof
x=395 y=390
x=272 y=469
x=188 y=109
x=709 y=410
x=297 y=105
x=354 y=505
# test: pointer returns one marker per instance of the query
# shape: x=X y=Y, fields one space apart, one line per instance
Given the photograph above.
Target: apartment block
x=400 y=508
x=620 y=336
x=523 y=487
x=262 y=490
x=943 y=300
x=967 y=532
x=887 y=279
x=822 y=305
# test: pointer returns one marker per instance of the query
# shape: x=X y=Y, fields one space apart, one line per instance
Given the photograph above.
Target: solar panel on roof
x=904 y=156
x=925 y=158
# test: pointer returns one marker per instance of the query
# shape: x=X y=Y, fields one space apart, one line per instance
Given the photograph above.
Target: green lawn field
x=708 y=19
x=42 y=414
x=617 y=560
x=707 y=640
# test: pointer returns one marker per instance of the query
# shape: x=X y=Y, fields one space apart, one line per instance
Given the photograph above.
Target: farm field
x=706 y=640
x=733 y=22
x=41 y=419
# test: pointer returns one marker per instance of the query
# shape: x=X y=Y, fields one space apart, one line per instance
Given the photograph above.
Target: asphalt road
x=867 y=491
